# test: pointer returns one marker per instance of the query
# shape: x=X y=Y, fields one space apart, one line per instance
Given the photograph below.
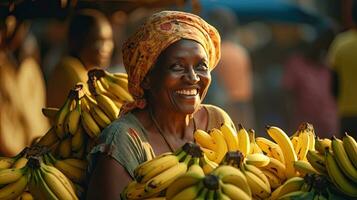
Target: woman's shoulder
x=216 y=116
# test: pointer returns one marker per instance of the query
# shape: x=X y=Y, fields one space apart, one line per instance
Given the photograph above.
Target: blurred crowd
x=270 y=73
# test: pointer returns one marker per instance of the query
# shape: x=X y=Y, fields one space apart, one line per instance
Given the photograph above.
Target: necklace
x=162 y=133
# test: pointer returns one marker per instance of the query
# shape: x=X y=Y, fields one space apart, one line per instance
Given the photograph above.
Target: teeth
x=187 y=92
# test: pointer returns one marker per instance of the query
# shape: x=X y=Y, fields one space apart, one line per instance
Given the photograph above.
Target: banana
x=295 y=194
x=100 y=89
x=317 y=161
x=270 y=148
x=150 y=169
x=256 y=171
x=350 y=145
x=99 y=116
x=304 y=167
x=117 y=90
x=108 y=106
x=50 y=112
x=291 y=185
x=277 y=168
x=202 y=194
x=49 y=138
x=207 y=165
x=118 y=78
x=163 y=180
x=166 y=163
x=322 y=144
x=74 y=173
x=39 y=187
x=303 y=145
x=65 y=147
x=133 y=191
x=72 y=121
x=274 y=180
x=20 y=163
x=58 y=183
x=204 y=139
x=78 y=139
x=189 y=193
x=78 y=163
x=221 y=195
x=89 y=125
x=25 y=196
x=211 y=194
x=193 y=176
x=280 y=137
x=221 y=148
x=258 y=187
x=234 y=192
x=6 y=162
x=243 y=140
x=209 y=153
x=257 y=159
x=342 y=159
x=15 y=189
x=338 y=178
x=234 y=176
x=254 y=148
x=230 y=135
x=11 y=175
x=62 y=113
x=295 y=142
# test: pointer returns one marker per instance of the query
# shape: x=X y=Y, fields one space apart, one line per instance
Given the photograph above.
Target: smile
x=190 y=92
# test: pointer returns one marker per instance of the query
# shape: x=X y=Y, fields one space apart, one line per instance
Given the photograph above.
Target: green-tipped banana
x=342 y=159
x=350 y=145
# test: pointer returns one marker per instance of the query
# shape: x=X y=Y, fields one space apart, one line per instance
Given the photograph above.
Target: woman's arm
x=107 y=180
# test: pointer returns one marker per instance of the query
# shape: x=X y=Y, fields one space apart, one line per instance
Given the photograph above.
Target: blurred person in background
x=22 y=88
x=343 y=60
x=233 y=88
x=307 y=80
x=90 y=45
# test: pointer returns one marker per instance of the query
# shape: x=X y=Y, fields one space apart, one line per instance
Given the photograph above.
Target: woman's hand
x=107 y=180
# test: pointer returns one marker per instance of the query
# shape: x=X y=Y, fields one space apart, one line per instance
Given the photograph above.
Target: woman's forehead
x=184 y=48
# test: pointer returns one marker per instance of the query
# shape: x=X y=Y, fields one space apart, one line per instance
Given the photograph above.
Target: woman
x=168 y=62
x=90 y=43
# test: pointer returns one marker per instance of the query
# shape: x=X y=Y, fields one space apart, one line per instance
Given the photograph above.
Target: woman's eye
x=202 y=66
x=176 y=67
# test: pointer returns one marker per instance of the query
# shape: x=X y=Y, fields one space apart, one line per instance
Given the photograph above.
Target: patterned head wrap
x=160 y=31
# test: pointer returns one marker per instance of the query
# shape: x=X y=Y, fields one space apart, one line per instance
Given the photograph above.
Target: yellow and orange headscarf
x=160 y=31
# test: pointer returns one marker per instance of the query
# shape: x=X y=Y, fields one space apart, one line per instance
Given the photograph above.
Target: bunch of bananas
x=14 y=179
x=47 y=182
x=154 y=176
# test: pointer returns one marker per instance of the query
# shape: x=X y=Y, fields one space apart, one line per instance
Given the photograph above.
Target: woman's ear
x=146 y=83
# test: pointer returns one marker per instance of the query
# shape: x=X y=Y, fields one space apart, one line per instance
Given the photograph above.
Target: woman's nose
x=192 y=76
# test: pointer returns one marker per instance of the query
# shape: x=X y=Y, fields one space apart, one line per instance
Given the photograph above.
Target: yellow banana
x=207 y=165
x=58 y=183
x=257 y=159
x=64 y=149
x=11 y=175
x=234 y=192
x=322 y=144
x=108 y=106
x=74 y=173
x=89 y=125
x=274 y=180
x=350 y=145
x=303 y=145
x=342 y=159
x=136 y=191
x=254 y=148
x=6 y=162
x=204 y=139
x=297 y=194
x=77 y=141
x=256 y=171
x=62 y=113
x=209 y=153
x=193 y=175
x=118 y=78
x=295 y=142
x=20 y=163
x=72 y=121
x=15 y=189
x=270 y=148
x=50 y=113
x=317 y=161
x=230 y=135
x=39 y=187
x=78 y=163
x=234 y=176
x=189 y=193
x=117 y=90
x=277 y=168
x=338 y=178
x=258 y=187
x=280 y=137
x=221 y=148
x=49 y=138
x=291 y=185
x=243 y=140
x=100 y=89
x=163 y=180
x=304 y=167
x=25 y=196
x=99 y=116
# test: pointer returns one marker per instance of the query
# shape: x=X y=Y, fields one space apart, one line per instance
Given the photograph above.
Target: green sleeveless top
x=125 y=140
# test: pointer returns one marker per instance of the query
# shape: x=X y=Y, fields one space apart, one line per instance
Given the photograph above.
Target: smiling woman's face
x=180 y=78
